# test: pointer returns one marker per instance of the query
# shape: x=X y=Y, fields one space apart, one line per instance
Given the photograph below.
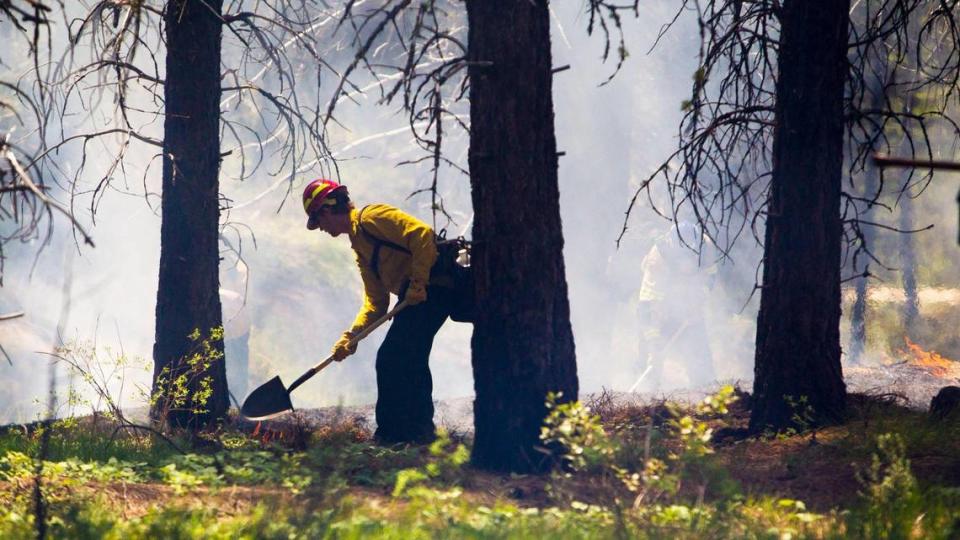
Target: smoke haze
x=303 y=287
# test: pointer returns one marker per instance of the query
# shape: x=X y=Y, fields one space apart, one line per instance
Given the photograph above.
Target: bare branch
x=904 y=69
x=414 y=53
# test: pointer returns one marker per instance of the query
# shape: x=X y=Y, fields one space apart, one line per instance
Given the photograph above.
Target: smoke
x=303 y=288
x=614 y=136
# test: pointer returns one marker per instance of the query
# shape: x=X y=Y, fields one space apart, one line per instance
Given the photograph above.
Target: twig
x=26 y=181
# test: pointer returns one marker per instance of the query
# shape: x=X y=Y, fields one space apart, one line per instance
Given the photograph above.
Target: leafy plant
x=584 y=446
x=892 y=500
x=578 y=435
x=187 y=387
x=444 y=465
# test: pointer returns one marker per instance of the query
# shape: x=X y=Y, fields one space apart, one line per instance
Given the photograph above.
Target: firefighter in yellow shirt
x=395 y=253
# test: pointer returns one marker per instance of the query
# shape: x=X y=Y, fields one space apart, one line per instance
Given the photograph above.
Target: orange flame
x=933 y=362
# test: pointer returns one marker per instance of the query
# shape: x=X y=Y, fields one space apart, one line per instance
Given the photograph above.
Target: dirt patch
x=822 y=468
x=821 y=473
x=523 y=490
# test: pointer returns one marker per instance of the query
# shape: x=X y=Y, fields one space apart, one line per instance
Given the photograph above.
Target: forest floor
x=643 y=469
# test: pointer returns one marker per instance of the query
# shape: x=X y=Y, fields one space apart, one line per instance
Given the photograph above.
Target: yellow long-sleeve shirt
x=395 y=267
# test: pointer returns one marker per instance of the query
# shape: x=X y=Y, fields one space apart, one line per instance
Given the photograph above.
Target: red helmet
x=318 y=194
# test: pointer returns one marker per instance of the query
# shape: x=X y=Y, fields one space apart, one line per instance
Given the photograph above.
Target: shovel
x=272 y=399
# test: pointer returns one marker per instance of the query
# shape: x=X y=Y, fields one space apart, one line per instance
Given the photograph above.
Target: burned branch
x=25 y=197
x=415 y=53
x=719 y=173
x=113 y=59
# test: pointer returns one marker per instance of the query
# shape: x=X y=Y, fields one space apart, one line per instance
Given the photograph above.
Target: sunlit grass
x=338 y=484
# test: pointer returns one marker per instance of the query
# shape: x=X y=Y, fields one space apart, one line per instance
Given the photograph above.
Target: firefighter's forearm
x=365 y=317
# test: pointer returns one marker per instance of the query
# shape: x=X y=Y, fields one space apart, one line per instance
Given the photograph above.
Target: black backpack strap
x=377 y=244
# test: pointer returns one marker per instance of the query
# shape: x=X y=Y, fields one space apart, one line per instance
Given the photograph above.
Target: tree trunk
x=522 y=341
x=798 y=378
x=858 y=322
x=908 y=262
x=187 y=299
x=871 y=186
x=858 y=317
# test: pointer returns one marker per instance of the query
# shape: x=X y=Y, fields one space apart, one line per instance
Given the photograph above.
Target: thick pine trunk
x=187 y=298
x=522 y=341
x=798 y=328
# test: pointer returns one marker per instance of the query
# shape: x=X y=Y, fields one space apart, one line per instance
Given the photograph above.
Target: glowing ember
x=931 y=361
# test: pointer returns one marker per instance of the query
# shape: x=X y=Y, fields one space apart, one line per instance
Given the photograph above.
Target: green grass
x=231 y=459
x=342 y=486
x=69 y=440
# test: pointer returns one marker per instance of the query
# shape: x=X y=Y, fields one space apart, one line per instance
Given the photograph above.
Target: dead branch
x=904 y=65
x=24 y=200
x=414 y=53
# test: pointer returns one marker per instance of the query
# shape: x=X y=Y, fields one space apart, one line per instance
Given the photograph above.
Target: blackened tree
x=891 y=82
x=779 y=90
x=522 y=344
x=859 y=311
x=187 y=294
x=798 y=328
x=247 y=101
x=859 y=262
x=910 y=312
x=522 y=341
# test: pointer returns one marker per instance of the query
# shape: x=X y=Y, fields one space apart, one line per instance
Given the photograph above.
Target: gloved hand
x=416 y=293
x=342 y=348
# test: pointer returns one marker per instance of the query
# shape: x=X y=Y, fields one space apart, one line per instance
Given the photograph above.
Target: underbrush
x=633 y=471
x=874 y=415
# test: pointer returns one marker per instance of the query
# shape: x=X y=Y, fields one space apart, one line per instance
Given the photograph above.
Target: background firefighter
x=396 y=253
x=670 y=310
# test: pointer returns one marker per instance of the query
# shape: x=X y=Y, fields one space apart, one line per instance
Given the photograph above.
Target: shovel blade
x=269 y=400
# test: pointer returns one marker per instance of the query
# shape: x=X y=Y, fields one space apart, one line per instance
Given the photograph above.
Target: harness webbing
x=377 y=244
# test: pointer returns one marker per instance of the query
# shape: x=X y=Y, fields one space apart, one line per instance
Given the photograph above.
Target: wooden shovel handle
x=356 y=339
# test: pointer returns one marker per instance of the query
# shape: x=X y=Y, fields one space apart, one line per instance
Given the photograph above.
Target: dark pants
x=404 y=383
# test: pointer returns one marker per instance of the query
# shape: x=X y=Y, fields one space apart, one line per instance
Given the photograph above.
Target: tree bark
x=798 y=328
x=858 y=317
x=871 y=186
x=522 y=342
x=187 y=298
x=910 y=312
